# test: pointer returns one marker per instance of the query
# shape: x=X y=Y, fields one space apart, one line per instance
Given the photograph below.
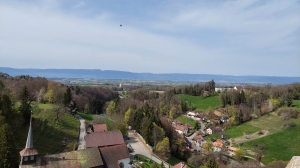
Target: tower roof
x=29 y=150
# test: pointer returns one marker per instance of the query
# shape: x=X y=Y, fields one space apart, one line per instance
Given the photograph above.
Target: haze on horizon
x=250 y=37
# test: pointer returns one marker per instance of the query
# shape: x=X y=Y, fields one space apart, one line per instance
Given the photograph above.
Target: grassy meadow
x=281 y=145
x=296 y=103
x=202 y=104
x=184 y=120
x=240 y=130
x=49 y=136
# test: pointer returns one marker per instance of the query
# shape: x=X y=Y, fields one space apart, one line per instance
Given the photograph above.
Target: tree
x=162 y=149
x=67 y=97
x=196 y=126
x=122 y=128
x=239 y=154
x=127 y=115
x=7 y=109
x=8 y=154
x=157 y=134
x=111 y=109
x=211 y=163
x=25 y=107
x=208 y=146
x=196 y=160
x=58 y=110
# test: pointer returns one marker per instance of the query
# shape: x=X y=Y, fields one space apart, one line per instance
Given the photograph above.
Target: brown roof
x=181 y=165
x=198 y=138
x=85 y=158
x=232 y=148
x=112 y=154
x=28 y=152
x=99 y=127
x=100 y=139
x=218 y=143
x=181 y=127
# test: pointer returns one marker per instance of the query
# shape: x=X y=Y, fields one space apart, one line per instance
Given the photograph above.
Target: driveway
x=82 y=132
x=139 y=148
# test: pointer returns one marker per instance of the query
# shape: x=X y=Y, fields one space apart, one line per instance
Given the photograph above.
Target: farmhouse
x=103 y=139
x=218 y=146
x=199 y=140
x=182 y=129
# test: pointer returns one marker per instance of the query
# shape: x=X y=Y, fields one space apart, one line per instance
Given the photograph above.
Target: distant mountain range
x=111 y=74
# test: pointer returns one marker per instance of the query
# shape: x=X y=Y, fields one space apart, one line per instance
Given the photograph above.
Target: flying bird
x=120 y=25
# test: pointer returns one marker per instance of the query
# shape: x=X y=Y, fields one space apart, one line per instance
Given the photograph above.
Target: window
x=25 y=158
x=31 y=157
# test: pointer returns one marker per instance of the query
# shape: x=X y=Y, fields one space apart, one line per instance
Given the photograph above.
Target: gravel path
x=82 y=133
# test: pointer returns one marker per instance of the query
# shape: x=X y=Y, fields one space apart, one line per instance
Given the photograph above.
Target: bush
x=289 y=124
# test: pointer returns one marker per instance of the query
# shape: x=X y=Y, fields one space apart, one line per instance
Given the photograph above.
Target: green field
x=49 y=136
x=202 y=104
x=281 y=145
x=296 y=103
x=269 y=122
x=184 y=120
x=88 y=117
x=241 y=130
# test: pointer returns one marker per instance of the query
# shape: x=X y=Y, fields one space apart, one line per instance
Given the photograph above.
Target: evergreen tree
x=7 y=110
x=8 y=154
x=67 y=97
x=25 y=107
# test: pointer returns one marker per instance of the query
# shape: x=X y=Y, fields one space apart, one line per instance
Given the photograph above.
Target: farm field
x=49 y=136
x=202 y=104
x=281 y=145
x=270 y=122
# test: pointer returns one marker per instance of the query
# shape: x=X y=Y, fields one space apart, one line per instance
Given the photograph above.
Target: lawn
x=281 y=145
x=202 y=104
x=49 y=135
x=88 y=117
x=241 y=130
x=296 y=103
x=184 y=120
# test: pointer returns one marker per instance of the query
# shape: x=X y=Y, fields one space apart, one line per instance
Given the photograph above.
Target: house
x=181 y=165
x=182 y=129
x=218 y=146
x=103 y=139
x=200 y=116
x=176 y=123
x=232 y=149
x=116 y=156
x=191 y=114
x=199 y=140
x=99 y=128
x=224 y=119
x=209 y=131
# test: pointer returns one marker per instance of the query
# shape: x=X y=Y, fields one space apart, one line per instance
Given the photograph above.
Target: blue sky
x=249 y=37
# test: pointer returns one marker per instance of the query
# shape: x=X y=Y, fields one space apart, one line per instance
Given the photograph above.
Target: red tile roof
x=85 y=158
x=101 y=139
x=198 y=138
x=99 y=127
x=218 y=143
x=181 y=165
x=181 y=127
x=112 y=154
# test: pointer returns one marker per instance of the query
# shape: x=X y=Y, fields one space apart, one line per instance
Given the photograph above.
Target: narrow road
x=140 y=148
x=82 y=132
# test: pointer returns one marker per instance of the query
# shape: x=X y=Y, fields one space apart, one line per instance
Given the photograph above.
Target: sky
x=226 y=37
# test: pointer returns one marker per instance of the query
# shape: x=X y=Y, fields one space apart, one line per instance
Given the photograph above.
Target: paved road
x=82 y=133
x=140 y=148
